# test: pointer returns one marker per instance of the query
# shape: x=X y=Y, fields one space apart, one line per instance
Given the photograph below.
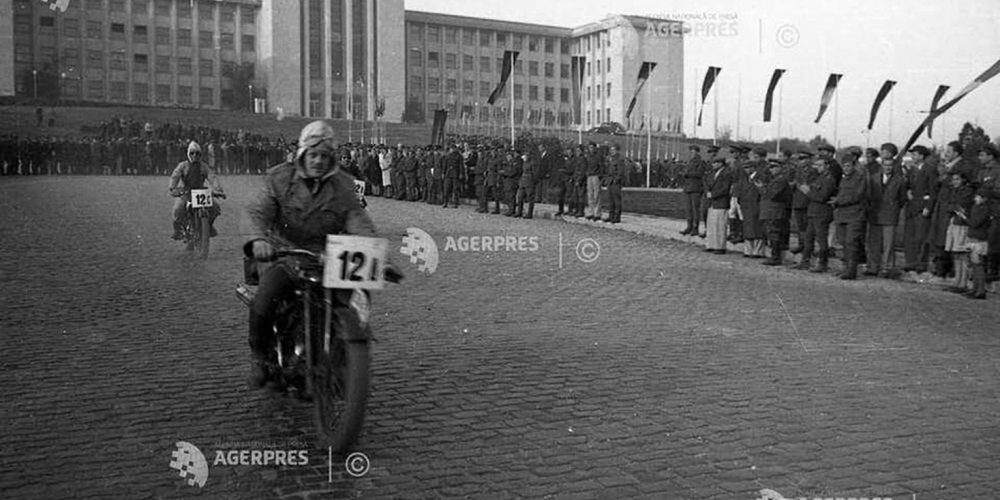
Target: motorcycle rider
x=302 y=201
x=190 y=174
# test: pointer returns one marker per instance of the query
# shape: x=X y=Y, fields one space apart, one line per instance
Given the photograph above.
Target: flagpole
x=836 y=119
x=891 y=99
x=739 y=101
x=649 y=122
x=512 y=99
x=781 y=88
x=715 y=98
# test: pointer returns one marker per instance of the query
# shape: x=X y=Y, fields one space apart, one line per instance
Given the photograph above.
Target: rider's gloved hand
x=392 y=273
x=262 y=250
x=175 y=192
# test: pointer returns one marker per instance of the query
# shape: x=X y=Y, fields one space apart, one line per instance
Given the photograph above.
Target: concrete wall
x=6 y=48
x=391 y=57
x=280 y=55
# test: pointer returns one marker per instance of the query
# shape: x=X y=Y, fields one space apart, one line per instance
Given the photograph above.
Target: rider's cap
x=317 y=134
x=193 y=147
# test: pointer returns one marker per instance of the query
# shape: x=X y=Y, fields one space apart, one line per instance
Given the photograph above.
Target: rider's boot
x=178 y=231
x=260 y=372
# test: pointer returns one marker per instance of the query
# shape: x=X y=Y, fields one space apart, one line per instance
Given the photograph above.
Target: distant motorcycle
x=323 y=333
x=197 y=229
x=359 y=191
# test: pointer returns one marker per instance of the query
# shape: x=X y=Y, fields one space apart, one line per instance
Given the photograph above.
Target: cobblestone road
x=655 y=371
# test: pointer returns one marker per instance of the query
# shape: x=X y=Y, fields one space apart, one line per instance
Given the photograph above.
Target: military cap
x=803 y=155
x=869 y=152
x=739 y=149
x=712 y=149
x=922 y=150
x=718 y=159
x=759 y=151
x=775 y=163
x=828 y=148
x=853 y=151
x=695 y=148
x=890 y=147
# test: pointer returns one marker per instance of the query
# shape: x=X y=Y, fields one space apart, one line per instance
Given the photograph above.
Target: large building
x=333 y=59
x=454 y=62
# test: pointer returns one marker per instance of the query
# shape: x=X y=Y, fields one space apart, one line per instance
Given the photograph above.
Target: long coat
x=748 y=197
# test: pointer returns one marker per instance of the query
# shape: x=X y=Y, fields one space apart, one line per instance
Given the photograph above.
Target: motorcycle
x=322 y=333
x=359 y=191
x=197 y=228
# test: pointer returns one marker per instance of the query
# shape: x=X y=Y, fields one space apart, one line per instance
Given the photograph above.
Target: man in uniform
x=922 y=184
x=693 y=187
x=617 y=171
x=818 y=191
x=802 y=174
x=850 y=206
x=526 y=186
x=452 y=176
x=775 y=195
x=512 y=177
x=988 y=180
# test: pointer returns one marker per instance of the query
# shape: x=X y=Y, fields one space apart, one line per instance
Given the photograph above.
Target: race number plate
x=359 y=189
x=201 y=198
x=354 y=262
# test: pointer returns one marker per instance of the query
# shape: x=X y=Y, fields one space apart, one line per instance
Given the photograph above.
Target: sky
x=920 y=45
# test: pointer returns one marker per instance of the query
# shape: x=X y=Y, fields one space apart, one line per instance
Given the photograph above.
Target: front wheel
x=202 y=230
x=340 y=392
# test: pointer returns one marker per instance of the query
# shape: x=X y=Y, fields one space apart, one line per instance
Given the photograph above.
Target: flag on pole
x=882 y=92
x=981 y=79
x=644 y=71
x=706 y=86
x=642 y=124
x=576 y=74
x=769 y=99
x=934 y=104
x=509 y=58
x=831 y=87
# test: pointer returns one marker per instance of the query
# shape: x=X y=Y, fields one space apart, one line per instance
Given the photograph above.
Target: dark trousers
x=276 y=284
x=801 y=225
x=561 y=189
x=489 y=192
x=850 y=235
x=775 y=230
x=915 y=245
x=817 y=234
x=692 y=207
x=525 y=194
x=451 y=186
x=509 y=194
x=412 y=188
x=615 y=200
x=401 y=187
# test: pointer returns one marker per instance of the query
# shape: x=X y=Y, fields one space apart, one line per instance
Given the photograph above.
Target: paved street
x=655 y=371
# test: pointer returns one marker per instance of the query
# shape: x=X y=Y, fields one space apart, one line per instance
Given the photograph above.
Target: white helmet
x=193 y=147
x=317 y=134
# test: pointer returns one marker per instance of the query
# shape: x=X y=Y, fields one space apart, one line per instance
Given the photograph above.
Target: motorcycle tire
x=340 y=392
x=201 y=235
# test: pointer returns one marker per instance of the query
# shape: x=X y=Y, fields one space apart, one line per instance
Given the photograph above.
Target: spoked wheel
x=340 y=392
x=201 y=229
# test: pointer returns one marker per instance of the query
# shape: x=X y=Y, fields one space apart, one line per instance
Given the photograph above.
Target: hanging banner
x=706 y=86
x=831 y=87
x=769 y=99
x=882 y=92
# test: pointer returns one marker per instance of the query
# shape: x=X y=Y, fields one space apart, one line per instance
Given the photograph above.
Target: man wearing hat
x=849 y=209
x=803 y=174
x=826 y=152
x=617 y=170
x=747 y=204
x=717 y=192
x=923 y=187
x=693 y=175
x=818 y=191
x=886 y=197
x=775 y=196
x=989 y=178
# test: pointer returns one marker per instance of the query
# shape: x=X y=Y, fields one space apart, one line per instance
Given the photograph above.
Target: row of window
x=563 y=118
x=597 y=114
x=468 y=64
x=116 y=91
x=140 y=62
x=163 y=8
x=140 y=34
x=486 y=88
x=484 y=38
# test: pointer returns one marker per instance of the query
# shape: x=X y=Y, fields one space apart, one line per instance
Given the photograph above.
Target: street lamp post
x=34 y=75
x=253 y=103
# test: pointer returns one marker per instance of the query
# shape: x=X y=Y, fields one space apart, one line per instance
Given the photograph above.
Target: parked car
x=613 y=128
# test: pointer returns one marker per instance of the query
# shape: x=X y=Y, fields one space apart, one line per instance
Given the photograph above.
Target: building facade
x=454 y=62
x=334 y=59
